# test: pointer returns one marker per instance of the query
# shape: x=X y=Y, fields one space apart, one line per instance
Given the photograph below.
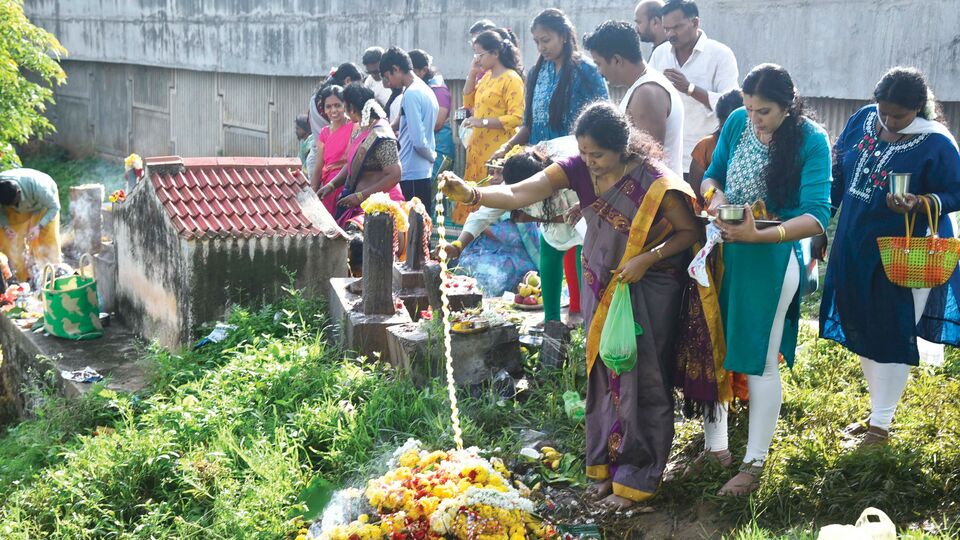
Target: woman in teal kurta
x=767 y=151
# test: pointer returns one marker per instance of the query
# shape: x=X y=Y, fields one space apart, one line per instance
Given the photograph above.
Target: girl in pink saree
x=331 y=143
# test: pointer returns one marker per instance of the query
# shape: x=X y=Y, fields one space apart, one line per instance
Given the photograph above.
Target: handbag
x=71 y=309
x=920 y=262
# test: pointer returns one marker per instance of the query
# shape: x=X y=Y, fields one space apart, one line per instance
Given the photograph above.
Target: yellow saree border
x=634 y=495
x=636 y=241
x=598 y=472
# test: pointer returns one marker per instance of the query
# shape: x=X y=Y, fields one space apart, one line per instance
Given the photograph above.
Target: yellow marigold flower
x=381 y=203
x=410 y=459
x=444 y=491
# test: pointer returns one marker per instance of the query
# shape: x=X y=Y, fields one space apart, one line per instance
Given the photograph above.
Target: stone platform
x=28 y=356
x=363 y=334
x=476 y=357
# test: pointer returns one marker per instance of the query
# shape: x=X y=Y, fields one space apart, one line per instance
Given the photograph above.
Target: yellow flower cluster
x=434 y=495
x=132 y=162
x=381 y=203
x=517 y=149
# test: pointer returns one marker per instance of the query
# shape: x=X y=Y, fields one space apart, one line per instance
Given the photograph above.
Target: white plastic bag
x=872 y=525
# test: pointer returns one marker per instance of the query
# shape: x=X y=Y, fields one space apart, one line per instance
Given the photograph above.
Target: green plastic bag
x=71 y=309
x=574 y=406
x=618 y=340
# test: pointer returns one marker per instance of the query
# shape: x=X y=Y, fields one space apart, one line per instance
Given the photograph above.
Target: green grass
x=68 y=172
x=234 y=432
x=813 y=480
x=229 y=436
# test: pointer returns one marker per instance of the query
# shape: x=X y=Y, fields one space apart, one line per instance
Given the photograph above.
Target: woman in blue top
x=861 y=309
x=559 y=86
x=768 y=151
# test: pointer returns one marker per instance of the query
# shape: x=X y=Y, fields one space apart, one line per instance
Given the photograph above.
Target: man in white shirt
x=373 y=81
x=651 y=102
x=700 y=68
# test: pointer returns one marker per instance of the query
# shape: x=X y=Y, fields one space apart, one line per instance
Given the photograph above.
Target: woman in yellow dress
x=497 y=100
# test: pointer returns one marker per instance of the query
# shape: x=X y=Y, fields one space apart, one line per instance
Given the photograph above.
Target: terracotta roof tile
x=217 y=197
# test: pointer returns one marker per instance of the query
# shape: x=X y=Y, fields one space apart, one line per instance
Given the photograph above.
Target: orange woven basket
x=920 y=263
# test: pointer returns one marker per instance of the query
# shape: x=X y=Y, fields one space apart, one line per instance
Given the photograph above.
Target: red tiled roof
x=217 y=197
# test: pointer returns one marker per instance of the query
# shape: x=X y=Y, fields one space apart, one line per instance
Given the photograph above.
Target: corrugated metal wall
x=116 y=109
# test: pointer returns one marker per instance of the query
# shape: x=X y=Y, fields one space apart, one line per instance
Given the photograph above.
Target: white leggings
x=886 y=382
x=766 y=393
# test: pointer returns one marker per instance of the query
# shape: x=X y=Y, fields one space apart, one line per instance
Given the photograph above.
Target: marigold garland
x=381 y=203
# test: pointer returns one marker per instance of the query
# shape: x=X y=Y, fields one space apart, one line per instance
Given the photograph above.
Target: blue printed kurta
x=861 y=309
x=586 y=87
x=753 y=273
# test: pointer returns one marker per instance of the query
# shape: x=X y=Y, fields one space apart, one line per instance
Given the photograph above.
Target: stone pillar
x=378 y=265
x=415 y=255
x=87 y=221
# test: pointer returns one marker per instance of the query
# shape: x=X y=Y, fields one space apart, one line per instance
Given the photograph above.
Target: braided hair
x=782 y=172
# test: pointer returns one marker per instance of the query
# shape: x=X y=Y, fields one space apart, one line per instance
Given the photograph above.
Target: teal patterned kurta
x=753 y=273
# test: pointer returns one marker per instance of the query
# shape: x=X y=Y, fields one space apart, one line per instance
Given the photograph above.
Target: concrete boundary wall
x=115 y=110
x=834 y=48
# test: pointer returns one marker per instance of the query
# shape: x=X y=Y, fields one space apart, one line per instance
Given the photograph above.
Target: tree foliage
x=29 y=69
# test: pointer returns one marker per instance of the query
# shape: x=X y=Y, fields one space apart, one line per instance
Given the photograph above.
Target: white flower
x=507 y=500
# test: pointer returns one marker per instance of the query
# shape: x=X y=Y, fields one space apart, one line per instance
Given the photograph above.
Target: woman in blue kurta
x=559 y=86
x=767 y=151
x=861 y=308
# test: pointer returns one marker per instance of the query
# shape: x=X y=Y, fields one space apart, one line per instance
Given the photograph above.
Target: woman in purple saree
x=640 y=231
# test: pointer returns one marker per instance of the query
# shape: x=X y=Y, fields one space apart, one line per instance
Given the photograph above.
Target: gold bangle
x=361 y=196
x=457 y=244
x=783 y=233
x=659 y=253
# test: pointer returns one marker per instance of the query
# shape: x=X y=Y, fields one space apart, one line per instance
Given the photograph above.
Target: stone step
x=29 y=356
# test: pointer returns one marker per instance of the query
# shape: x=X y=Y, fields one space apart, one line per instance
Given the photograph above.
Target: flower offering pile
x=444 y=495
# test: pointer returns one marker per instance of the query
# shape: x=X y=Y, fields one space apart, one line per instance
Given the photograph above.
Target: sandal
x=749 y=480
x=703 y=460
x=875 y=437
x=856 y=429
